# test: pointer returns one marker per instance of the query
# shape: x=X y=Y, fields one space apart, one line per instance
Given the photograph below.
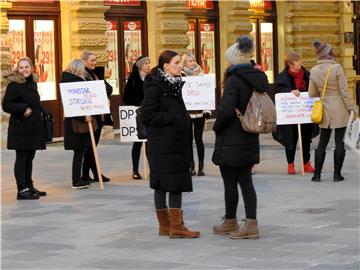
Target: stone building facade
x=82 y=24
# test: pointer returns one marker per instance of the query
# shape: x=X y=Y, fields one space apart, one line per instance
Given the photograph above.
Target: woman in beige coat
x=337 y=103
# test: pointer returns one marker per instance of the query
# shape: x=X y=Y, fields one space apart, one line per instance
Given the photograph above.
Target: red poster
x=135 y=3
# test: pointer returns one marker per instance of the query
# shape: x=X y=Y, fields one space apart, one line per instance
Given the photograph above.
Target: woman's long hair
x=164 y=58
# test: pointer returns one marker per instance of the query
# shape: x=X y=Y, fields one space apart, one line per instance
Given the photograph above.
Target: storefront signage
x=200 y=4
x=84 y=98
x=291 y=109
x=199 y=92
x=132 y=44
x=127 y=116
x=122 y=2
x=257 y=4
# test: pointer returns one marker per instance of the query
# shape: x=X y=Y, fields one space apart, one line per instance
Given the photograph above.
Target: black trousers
x=77 y=163
x=232 y=177
x=89 y=159
x=175 y=199
x=196 y=131
x=135 y=154
x=306 y=132
x=23 y=169
x=325 y=134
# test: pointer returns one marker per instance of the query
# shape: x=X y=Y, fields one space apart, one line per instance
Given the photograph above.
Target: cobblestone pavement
x=304 y=225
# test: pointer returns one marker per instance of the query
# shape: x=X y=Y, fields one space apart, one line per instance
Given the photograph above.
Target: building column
x=5 y=66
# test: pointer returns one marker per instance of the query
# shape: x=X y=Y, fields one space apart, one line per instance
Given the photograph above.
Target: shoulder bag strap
x=326 y=81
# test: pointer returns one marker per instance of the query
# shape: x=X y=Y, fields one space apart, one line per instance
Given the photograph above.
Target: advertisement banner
x=84 y=98
x=127 y=116
x=132 y=40
x=291 y=109
x=207 y=37
x=199 y=92
x=352 y=134
x=112 y=69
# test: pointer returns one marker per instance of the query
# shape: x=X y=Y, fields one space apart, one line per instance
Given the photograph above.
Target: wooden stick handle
x=96 y=155
x=145 y=163
x=301 y=150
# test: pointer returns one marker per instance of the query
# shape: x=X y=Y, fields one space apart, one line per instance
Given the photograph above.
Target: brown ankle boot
x=248 y=230
x=228 y=226
x=177 y=228
x=163 y=218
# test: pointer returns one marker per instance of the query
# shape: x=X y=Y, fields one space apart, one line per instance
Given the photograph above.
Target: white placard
x=352 y=134
x=291 y=109
x=199 y=92
x=84 y=98
x=127 y=116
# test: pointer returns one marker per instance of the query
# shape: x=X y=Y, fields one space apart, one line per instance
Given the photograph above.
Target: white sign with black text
x=127 y=116
x=199 y=92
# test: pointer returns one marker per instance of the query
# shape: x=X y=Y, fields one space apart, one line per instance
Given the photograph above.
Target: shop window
x=17 y=40
x=112 y=69
x=207 y=43
x=132 y=44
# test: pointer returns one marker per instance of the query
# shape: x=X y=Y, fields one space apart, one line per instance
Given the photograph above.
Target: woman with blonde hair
x=78 y=142
x=25 y=133
x=191 y=68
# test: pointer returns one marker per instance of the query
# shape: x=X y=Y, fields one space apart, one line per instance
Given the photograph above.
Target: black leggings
x=325 y=134
x=197 y=129
x=306 y=132
x=23 y=169
x=77 y=163
x=89 y=159
x=175 y=199
x=232 y=177
x=135 y=154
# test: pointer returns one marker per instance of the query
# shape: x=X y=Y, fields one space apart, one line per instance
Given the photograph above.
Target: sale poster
x=112 y=69
x=207 y=36
x=132 y=39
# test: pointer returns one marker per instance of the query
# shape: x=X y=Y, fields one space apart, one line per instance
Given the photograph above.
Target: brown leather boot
x=163 y=218
x=228 y=226
x=177 y=228
x=248 y=230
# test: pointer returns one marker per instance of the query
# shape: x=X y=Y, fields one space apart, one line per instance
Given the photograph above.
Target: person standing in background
x=191 y=68
x=133 y=96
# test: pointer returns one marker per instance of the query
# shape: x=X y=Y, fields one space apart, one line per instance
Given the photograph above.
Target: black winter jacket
x=134 y=92
x=233 y=146
x=24 y=134
x=283 y=134
x=73 y=141
x=168 y=126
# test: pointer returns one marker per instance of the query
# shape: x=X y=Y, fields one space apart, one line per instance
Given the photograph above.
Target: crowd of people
x=171 y=128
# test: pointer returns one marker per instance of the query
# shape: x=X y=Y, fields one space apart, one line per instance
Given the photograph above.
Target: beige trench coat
x=337 y=101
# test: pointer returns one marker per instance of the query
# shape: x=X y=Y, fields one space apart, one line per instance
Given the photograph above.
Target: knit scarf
x=193 y=71
x=298 y=79
x=174 y=82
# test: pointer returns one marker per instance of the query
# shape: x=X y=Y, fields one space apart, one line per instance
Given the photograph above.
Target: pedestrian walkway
x=304 y=225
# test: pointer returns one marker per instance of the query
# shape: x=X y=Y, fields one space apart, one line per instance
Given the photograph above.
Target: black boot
x=26 y=194
x=319 y=161
x=192 y=168
x=338 y=163
x=201 y=168
x=37 y=192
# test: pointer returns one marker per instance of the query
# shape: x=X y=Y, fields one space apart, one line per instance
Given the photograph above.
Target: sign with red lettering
x=208 y=4
x=112 y=69
x=199 y=92
x=122 y=2
x=132 y=44
x=207 y=38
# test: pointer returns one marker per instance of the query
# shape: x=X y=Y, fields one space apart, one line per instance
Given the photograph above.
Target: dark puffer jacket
x=168 y=131
x=24 y=134
x=73 y=141
x=233 y=146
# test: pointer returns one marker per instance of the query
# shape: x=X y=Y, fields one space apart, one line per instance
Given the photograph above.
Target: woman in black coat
x=236 y=151
x=294 y=79
x=164 y=113
x=89 y=59
x=78 y=142
x=25 y=133
x=133 y=96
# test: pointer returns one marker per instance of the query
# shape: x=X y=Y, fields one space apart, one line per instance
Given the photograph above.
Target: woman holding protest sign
x=76 y=131
x=191 y=68
x=337 y=105
x=164 y=113
x=236 y=151
x=25 y=133
x=91 y=74
x=133 y=96
x=294 y=79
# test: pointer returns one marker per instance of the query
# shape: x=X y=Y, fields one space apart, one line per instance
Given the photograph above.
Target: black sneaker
x=104 y=178
x=37 y=192
x=26 y=194
x=136 y=176
x=81 y=184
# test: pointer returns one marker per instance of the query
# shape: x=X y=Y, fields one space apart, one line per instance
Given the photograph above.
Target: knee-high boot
x=319 y=162
x=338 y=163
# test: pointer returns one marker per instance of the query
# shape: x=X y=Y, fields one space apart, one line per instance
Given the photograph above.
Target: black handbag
x=48 y=126
x=140 y=127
